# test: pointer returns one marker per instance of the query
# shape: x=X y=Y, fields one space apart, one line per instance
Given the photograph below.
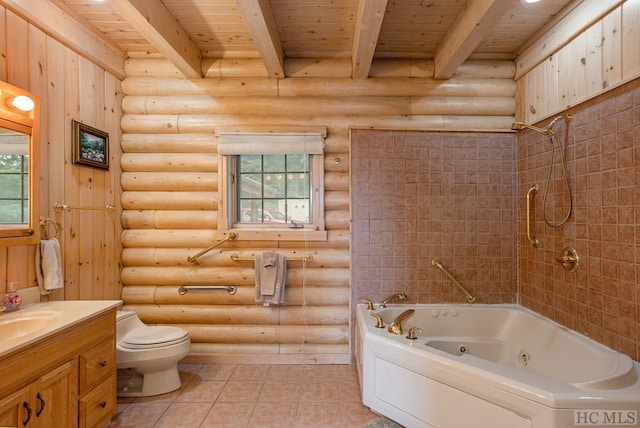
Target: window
x=14 y=179
x=272 y=182
x=272 y=189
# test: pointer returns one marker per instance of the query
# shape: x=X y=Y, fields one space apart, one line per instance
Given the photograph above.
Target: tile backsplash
x=419 y=196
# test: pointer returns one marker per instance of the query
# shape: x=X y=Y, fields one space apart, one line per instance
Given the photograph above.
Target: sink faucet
x=396 y=326
x=399 y=296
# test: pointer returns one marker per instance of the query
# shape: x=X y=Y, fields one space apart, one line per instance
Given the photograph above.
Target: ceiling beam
x=258 y=17
x=467 y=32
x=152 y=19
x=63 y=27
x=368 y=25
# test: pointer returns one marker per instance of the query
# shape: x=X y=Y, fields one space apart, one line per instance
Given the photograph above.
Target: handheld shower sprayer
x=553 y=139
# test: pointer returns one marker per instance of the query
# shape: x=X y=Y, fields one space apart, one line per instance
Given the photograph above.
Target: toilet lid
x=150 y=337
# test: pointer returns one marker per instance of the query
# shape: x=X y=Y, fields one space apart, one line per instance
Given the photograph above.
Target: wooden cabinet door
x=16 y=409
x=54 y=398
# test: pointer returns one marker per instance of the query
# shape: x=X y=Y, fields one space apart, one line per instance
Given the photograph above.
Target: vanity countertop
x=36 y=321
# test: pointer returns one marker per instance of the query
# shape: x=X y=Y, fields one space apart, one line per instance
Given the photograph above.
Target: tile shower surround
x=600 y=299
x=423 y=195
x=418 y=196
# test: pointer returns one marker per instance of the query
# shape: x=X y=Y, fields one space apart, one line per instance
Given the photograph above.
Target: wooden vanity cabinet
x=67 y=380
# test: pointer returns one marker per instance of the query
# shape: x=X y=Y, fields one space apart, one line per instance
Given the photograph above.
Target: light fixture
x=531 y=1
x=23 y=102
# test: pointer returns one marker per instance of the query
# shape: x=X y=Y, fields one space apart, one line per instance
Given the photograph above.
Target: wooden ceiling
x=449 y=31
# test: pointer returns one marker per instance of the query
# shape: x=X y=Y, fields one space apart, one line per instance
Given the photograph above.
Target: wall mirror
x=19 y=159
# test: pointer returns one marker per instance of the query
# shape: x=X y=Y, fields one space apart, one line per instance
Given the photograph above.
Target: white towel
x=271 y=273
x=49 y=266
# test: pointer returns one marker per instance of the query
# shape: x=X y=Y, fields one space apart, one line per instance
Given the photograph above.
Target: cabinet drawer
x=96 y=364
x=99 y=406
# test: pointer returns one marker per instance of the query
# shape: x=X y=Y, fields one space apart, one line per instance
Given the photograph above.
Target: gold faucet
x=399 y=296
x=368 y=302
x=379 y=320
x=396 y=326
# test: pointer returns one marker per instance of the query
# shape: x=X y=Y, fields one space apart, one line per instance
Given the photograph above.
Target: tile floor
x=213 y=395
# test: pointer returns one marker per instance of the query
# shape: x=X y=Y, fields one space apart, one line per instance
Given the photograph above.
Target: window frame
x=227 y=191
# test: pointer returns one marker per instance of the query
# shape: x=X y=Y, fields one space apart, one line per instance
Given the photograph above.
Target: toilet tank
x=125 y=322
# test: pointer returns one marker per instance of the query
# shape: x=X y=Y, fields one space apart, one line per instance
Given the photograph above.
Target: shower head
x=517 y=126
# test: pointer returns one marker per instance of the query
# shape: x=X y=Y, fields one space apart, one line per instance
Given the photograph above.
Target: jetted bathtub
x=491 y=366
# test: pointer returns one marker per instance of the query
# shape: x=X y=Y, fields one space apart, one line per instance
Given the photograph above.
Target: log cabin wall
x=69 y=87
x=595 y=79
x=170 y=184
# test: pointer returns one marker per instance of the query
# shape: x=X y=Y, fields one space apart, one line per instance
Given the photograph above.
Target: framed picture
x=90 y=146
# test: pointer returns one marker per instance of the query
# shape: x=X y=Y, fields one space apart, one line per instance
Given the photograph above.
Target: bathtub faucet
x=396 y=326
x=399 y=296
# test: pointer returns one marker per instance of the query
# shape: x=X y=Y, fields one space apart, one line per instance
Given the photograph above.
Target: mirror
x=19 y=159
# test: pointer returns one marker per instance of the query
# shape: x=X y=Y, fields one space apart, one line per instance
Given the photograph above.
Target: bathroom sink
x=16 y=325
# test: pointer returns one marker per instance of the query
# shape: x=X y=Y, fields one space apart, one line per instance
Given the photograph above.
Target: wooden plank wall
x=70 y=87
x=598 y=60
x=171 y=190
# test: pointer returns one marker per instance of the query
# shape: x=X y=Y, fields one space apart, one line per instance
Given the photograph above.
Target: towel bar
x=231 y=289
x=305 y=258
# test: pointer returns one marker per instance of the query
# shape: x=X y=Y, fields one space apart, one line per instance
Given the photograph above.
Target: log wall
x=171 y=186
x=70 y=87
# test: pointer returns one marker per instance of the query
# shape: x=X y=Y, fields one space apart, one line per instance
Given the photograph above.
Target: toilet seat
x=153 y=337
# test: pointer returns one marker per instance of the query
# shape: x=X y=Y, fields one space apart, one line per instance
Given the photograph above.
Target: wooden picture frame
x=90 y=146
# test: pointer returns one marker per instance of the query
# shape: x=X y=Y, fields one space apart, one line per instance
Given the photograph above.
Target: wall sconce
x=22 y=102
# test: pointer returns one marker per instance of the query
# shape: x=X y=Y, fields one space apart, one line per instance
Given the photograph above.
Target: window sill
x=246 y=234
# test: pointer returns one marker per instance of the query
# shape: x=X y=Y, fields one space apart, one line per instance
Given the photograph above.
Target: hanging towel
x=49 y=266
x=271 y=273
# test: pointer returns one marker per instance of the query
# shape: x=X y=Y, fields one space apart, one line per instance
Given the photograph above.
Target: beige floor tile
x=318 y=415
x=273 y=415
x=286 y=372
x=201 y=391
x=250 y=372
x=251 y=396
x=245 y=391
x=216 y=371
x=320 y=391
x=323 y=372
x=139 y=415
x=184 y=415
x=280 y=391
x=228 y=415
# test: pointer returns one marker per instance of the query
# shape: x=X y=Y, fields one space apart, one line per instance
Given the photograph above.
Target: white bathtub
x=491 y=366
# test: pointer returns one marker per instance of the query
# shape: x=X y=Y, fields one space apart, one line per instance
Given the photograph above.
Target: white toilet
x=147 y=356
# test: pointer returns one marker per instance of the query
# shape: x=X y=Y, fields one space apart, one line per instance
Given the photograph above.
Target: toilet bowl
x=147 y=356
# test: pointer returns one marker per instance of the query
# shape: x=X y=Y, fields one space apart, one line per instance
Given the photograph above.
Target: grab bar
x=469 y=297
x=533 y=241
x=305 y=258
x=231 y=289
x=194 y=259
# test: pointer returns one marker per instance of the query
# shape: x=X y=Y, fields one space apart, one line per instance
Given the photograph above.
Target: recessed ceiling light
x=531 y=1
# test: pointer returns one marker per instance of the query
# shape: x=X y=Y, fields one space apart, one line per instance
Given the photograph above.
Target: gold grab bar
x=61 y=207
x=194 y=259
x=533 y=241
x=469 y=297
x=305 y=258
x=231 y=289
